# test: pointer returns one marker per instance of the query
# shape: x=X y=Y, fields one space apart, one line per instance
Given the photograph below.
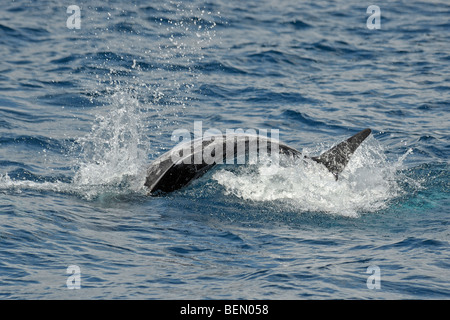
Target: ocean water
x=84 y=111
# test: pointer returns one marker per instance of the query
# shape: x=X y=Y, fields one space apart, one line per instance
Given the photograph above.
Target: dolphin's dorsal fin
x=337 y=157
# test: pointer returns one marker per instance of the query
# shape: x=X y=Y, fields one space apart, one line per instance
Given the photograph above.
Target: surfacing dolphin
x=186 y=162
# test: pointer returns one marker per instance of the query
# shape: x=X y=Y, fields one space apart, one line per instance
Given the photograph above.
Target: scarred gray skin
x=187 y=162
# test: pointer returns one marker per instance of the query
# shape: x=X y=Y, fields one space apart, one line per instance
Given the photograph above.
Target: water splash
x=149 y=95
x=138 y=87
x=368 y=184
x=114 y=154
x=110 y=159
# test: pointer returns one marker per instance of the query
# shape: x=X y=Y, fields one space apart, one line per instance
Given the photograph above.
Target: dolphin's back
x=166 y=174
x=186 y=162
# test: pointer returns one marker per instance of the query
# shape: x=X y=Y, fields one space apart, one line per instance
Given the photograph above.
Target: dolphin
x=176 y=168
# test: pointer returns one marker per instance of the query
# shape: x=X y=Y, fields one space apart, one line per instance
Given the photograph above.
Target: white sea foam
x=367 y=184
x=6 y=183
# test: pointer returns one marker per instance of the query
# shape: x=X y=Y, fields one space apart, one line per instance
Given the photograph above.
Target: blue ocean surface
x=90 y=95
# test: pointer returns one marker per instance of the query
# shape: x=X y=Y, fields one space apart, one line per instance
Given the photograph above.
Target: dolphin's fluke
x=337 y=157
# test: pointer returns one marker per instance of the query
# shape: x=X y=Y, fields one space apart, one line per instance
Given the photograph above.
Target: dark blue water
x=84 y=111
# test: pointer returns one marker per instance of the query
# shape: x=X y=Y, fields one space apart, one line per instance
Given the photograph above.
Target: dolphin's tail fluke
x=337 y=157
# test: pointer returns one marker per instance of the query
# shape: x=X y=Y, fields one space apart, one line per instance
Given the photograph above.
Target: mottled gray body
x=186 y=162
